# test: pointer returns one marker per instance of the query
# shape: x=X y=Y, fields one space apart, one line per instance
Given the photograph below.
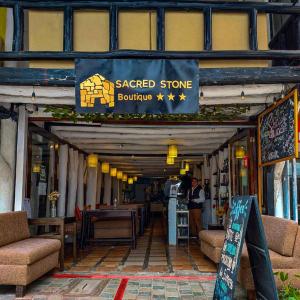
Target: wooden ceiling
x=142 y=149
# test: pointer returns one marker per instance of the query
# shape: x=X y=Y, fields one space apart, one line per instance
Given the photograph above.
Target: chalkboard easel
x=245 y=224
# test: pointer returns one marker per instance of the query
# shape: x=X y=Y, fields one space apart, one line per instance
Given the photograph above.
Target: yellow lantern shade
x=113 y=172
x=182 y=171
x=130 y=180
x=105 y=167
x=92 y=161
x=239 y=152
x=170 y=160
x=56 y=146
x=119 y=174
x=172 y=151
x=187 y=167
x=36 y=168
x=135 y=178
x=124 y=178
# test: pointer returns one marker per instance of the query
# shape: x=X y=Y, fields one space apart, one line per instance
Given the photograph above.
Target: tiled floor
x=102 y=271
x=152 y=254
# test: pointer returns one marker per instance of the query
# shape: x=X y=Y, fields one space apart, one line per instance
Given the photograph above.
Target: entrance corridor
x=151 y=271
x=151 y=255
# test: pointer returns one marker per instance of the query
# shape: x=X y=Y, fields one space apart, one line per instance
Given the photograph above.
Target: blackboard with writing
x=277 y=131
x=245 y=223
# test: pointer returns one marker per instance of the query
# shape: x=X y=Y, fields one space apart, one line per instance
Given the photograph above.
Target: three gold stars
x=171 y=97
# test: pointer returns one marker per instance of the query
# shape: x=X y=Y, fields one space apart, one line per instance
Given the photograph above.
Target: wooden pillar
x=107 y=189
x=294 y=193
x=8 y=132
x=120 y=192
x=80 y=181
x=278 y=193
x=91 y=189
x=72 y=182
x=62 y=179
x=286 y=191
x=51 y=176
x=99 y=184
x=21 y=160
x=115 y=189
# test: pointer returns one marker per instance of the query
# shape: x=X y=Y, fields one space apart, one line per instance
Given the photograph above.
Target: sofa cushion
x=278 y=261
x=276 y=230
x=28 y=251
x=213 y=237
x=13 y=227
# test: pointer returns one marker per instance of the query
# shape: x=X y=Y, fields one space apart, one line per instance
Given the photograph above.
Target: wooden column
x=62 y=179
x=278 y=192
x=8 y=132
x=21 y=160
x=294 y=193
x=107 y=189
x=99 y=183
x=115 y=189
x=91 y=190
x=80 y=181
x=72 y=182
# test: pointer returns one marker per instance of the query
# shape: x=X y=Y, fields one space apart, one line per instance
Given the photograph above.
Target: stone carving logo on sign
x=278 y=131
x=137 y=86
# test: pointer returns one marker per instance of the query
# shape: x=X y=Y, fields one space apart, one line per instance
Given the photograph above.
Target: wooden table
x=60 y=224
x=106 y=214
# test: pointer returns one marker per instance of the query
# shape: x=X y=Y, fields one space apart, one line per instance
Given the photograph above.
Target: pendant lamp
x=172 y=151
x=182 y=171
x=105 y=167
x=187 y=166
x=239 y=152
x=130 y=180
x=135 y=178
x=113 y=172
x=92 y=160
x=170 y=160
x=119 y=174
x=36 y=168
x=124 y=178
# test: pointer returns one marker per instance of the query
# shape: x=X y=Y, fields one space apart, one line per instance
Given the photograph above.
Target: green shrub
x=287 y=291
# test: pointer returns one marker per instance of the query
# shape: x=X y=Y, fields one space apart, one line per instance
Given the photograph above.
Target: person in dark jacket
x=196 y=197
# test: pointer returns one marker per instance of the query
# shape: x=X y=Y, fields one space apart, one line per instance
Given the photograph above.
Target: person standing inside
x=196 y=198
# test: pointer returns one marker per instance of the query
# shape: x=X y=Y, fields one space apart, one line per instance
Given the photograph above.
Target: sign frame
x=251 y=231
x=293 y=94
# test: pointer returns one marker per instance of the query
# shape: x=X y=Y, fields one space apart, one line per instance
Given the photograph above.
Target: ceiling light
x=105 y=167
x=92 y=161
x=172 y=151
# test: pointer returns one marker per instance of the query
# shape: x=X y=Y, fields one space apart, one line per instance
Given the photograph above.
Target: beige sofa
x=23 y=259
x=283 y=239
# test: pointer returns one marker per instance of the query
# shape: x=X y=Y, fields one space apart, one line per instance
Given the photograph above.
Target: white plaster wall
x=7 y=163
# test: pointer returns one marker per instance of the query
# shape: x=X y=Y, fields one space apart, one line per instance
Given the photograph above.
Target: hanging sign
x=245 y=224
x=137 y=86
x=278 y=131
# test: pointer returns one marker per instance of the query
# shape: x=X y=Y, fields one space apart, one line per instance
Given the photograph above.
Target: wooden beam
x=208 y=77
x=153 y=54
x=283 y=8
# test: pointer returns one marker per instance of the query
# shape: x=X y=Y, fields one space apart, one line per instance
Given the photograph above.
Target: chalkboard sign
x=245 y=224
x=278 y=130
